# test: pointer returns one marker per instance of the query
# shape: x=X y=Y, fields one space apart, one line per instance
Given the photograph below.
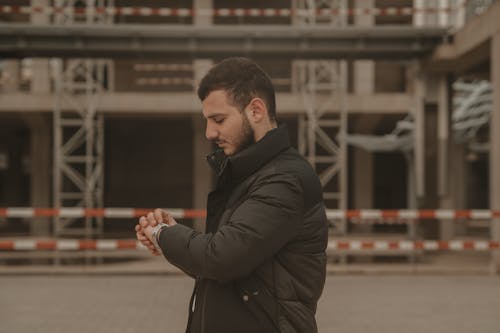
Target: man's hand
x=141 y=236
x=144 y=229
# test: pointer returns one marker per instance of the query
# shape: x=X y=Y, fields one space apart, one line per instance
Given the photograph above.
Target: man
x=260 y=265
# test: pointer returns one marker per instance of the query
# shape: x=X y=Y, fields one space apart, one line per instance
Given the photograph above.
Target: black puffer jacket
x=260 y=266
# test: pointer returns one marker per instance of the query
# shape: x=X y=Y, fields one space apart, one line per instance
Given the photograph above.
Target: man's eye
x=219 y=120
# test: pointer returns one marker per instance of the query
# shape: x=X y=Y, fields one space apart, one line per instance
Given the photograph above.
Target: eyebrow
x=215 y=115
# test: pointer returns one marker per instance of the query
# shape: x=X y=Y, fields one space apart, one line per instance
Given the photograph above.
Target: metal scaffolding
x=78 y=127
x=321 y=84
x=308 y=12
x=472 y=105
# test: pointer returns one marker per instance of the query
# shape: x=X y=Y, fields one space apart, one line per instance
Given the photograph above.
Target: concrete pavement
x=350 y=304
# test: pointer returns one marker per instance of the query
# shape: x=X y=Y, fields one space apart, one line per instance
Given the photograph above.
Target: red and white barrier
x=393 y=216
x=412 y=214
x=225 y=12
x=76 y=212
x=333 y=245
x=407 y=245
x=68 y=245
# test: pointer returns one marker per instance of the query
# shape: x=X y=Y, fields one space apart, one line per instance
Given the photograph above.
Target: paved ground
x=152 y=304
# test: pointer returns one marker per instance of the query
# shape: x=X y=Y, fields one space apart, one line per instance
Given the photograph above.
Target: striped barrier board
x=428 y=245
x=335 y=245
x=227 y=12
x=69 y=245
x=76 y=212
x=356 y=216
x=409 y=214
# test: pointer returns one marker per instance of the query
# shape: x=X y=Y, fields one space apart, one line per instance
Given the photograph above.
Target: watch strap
x=156 y=233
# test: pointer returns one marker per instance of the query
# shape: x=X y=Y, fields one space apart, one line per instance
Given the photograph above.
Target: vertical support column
x=444 y=13
x=459 y=19
x=40 y=82
x=363 y=181
x=417 y=172
x=419 y=115
x=458 y=173
x=364 y=70
x=419 y=14
x=411 y=197
x=343 y=131
x=445 y=200
x=432 y=12
x=416 y=89
x=364 y=80
x=40 y=155
x=40 y=135
x=202 y=175
x=495 y=147
x=202 y=9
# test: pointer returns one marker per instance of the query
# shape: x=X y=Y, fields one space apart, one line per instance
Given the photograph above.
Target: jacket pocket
x=260 y=302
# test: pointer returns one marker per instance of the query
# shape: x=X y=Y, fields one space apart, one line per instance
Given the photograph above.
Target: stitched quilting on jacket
x=260 y=265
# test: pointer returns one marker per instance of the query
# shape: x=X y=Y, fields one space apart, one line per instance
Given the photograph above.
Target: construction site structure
x=396 y=104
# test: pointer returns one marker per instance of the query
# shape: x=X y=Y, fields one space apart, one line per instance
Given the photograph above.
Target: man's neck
x=262 y=131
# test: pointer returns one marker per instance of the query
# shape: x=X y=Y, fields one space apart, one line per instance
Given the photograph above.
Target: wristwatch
x=156 y=234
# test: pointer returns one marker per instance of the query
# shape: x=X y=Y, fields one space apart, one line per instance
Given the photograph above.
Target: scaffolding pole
x=78 y=178
x=322 y=134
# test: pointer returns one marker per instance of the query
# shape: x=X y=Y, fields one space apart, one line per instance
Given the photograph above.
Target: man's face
x=226 y=125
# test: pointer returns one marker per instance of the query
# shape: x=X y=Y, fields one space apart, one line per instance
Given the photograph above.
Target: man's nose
x=210 y=133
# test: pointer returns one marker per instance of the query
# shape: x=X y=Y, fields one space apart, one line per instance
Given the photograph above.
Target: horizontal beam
x=174 y=41
x=181 y=103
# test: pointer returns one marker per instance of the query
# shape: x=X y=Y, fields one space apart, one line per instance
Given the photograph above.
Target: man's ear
x=256 y=110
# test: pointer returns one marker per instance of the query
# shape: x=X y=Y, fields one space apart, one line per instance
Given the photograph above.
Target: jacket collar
x=241 y=165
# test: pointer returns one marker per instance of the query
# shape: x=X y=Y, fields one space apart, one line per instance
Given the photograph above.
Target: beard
x=247 y=137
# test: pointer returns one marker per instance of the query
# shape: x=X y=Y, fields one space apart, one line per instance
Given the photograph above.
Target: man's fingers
x=146 y=242
x=158 y=214
x=151 y=219
x=165 y=216
x=141 y=237
x=143 y=222
x=149 y=246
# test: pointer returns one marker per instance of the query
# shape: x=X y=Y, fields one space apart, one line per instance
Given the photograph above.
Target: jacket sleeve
x=258 y=228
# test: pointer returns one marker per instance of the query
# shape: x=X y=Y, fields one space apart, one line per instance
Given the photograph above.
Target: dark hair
x=242 y=79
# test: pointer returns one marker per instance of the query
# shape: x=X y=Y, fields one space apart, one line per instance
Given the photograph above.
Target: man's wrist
x=155 y=235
